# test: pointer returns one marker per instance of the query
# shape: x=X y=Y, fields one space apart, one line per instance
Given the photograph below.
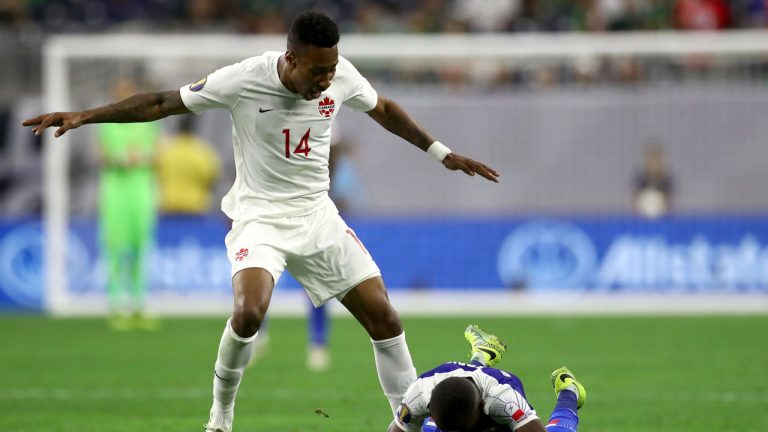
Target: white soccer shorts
x=318 y=249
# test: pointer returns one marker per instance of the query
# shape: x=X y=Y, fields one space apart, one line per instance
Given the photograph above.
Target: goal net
x=568 y=119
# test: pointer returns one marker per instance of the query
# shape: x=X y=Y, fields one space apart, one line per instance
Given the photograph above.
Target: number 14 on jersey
x=302 y=148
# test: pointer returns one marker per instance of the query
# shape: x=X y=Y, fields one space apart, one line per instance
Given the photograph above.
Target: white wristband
x=438 y=151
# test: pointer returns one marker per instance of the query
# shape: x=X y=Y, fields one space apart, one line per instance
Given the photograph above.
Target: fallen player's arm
x=394 y=119
x=393 y=427
x=533 y=426
x=142 y=107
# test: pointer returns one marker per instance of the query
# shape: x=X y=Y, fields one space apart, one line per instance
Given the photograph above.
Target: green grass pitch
x=642 y=373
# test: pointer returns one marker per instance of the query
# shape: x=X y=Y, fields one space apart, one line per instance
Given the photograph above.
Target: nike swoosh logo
x=217 y=376
x=262 y=110
x=489 y=352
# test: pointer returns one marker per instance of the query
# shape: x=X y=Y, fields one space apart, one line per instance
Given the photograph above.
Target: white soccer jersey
x=281 y=141
x=502 y=393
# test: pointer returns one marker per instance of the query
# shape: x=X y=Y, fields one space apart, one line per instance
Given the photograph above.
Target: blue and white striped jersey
x=502 y=392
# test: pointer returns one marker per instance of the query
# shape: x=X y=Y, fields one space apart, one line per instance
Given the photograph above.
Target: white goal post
x=59 y=51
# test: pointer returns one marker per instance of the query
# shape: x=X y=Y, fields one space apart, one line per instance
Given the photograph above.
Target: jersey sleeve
x=510 y=408
x=361 y=95
x=413 y=410
x=221 y=89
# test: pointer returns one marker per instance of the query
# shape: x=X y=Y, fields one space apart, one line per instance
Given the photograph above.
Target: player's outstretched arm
x=137 y=108
x=394 y=119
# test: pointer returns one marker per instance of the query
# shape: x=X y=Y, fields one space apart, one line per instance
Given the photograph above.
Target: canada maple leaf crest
x=326 y=107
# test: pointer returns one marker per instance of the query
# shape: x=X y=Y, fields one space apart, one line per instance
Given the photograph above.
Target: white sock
x=234 y=354
x=395 y=368
x=479 y=358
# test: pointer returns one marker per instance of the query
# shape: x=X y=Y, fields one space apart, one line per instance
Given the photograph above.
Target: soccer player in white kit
x=282 y=106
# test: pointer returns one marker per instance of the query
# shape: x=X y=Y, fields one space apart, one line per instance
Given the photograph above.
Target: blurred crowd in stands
x=25 y=24
x=372 y=16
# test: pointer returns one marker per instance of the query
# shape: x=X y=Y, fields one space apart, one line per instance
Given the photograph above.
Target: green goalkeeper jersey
x=128 y=191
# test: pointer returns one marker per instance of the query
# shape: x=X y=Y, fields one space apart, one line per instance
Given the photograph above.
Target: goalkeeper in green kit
x=127 y=211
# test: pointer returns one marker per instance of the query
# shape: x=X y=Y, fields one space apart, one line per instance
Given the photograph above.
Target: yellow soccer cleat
x=562 y=378
x=490 y=347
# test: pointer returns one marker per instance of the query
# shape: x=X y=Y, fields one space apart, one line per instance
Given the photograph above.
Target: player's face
x=314 y=69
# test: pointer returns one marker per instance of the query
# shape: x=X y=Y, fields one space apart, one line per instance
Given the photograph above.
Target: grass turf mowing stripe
x=642 y=373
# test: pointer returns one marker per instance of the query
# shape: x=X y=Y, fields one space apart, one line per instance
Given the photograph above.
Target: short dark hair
x=453 y=401
x=313 y=28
